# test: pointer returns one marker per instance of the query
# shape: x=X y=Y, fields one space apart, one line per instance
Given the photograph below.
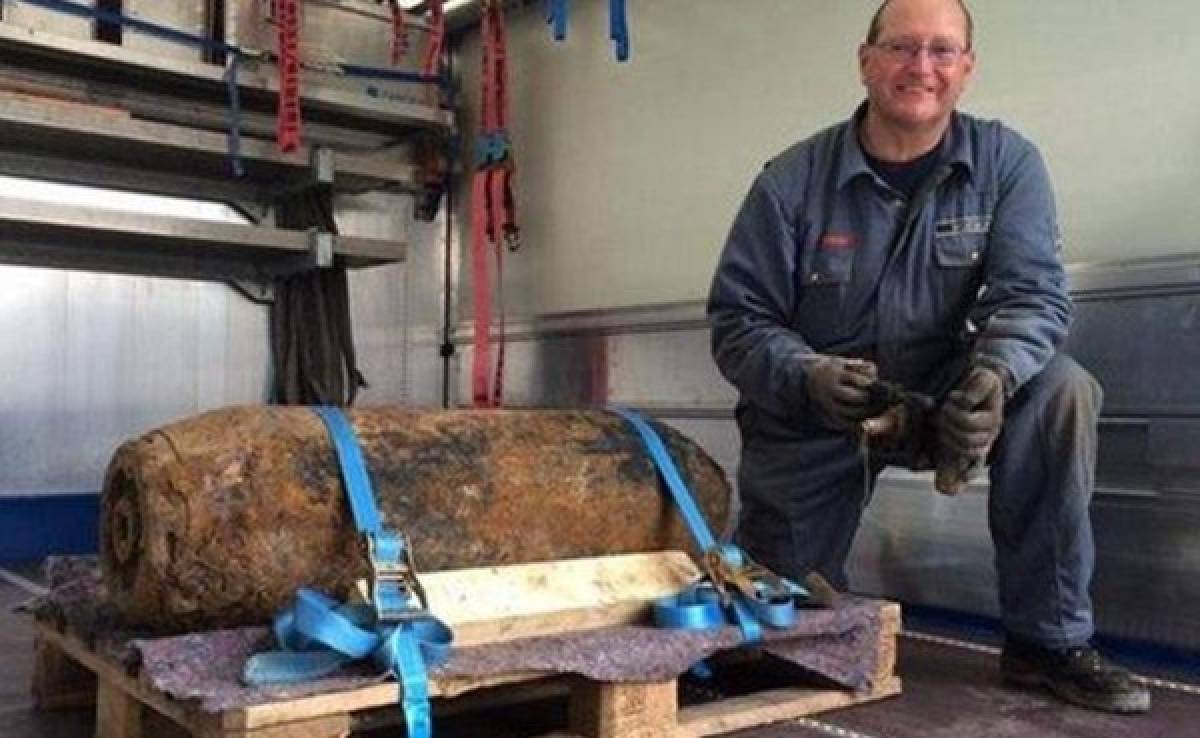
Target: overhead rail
x=53 y=235
x=141 y=69
x=89 y=112
x=76 y=134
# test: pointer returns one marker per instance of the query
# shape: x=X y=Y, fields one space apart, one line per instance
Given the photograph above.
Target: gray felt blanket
x=839 y=643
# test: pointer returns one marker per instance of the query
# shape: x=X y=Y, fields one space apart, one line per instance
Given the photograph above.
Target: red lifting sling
x=287 y=22
x=493 y=209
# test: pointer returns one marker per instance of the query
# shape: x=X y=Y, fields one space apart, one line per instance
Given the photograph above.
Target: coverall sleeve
x=1024 y=310
x=752 y=297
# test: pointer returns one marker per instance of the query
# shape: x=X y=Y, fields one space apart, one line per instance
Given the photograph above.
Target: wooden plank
x=889 y=634
x=110 y=674
x=330 y=726
x=554 y=597
x=762 y=708
x=256 y=717
x=118 y=715
x=58 y=680
x=623 y=710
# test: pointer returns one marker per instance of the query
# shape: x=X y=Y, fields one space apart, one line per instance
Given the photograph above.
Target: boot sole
x=1126 y=705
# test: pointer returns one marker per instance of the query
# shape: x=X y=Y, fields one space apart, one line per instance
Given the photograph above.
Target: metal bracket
x=322 y=165
x=259 y=293
x=318 y=256
x=320 y=249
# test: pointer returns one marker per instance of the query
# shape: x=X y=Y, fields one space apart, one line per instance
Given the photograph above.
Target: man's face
x=919 y=65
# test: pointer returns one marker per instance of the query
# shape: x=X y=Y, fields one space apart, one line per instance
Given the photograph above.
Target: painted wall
x=629 y=174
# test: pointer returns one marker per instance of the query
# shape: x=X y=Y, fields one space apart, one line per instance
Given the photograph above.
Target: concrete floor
x=949 y=692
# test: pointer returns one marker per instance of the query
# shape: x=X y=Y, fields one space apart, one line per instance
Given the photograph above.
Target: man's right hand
x=839 y=388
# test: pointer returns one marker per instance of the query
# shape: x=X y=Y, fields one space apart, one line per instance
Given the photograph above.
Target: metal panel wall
x=92 y=359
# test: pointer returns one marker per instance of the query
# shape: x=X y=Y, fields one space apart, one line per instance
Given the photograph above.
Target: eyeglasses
x=941 y=53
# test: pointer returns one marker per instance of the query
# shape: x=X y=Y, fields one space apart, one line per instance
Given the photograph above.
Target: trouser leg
x=801 y=504
x=1042 y=477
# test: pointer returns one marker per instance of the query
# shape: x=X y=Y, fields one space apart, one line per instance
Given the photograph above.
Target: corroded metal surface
x=216 y=520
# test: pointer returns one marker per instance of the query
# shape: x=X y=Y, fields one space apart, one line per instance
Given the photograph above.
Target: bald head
x=879 y=20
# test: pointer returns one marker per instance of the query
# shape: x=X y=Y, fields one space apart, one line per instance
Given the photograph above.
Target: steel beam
x=50 y=235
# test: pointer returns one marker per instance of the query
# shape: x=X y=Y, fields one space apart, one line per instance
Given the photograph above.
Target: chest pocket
x=960 y=242
x=831 y=265
x=959 y=248
x=822 y=286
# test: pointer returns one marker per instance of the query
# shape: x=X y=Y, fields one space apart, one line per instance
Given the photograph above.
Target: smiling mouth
x=915 y=90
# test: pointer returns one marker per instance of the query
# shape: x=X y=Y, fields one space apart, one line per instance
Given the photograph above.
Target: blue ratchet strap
x=761 y=597
x=556 y=16
x=618 y=28
x=318 y=635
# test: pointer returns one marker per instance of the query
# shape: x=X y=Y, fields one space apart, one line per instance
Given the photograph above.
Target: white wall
x=628 y=174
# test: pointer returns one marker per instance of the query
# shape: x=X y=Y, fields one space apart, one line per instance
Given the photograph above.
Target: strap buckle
x=733 y=571
x=393 y=589
x=493 y=149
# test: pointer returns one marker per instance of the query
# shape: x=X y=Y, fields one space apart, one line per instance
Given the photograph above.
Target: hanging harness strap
x=399 y=40
x=316 y=635
x=618 y=28
x=493 y=209
x=556 y=16
x=437 y=38
x=618 y=24
x=737 y=590
x=287 y=23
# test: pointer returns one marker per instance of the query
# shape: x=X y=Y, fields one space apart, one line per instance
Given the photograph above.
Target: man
x=917 y=245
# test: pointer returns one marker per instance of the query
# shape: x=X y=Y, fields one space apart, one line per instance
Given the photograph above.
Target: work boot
x=1078 y=675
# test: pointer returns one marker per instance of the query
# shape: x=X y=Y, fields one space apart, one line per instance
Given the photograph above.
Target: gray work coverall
x=826 y=258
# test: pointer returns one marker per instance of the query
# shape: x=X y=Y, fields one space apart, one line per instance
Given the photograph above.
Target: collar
x=956 y=148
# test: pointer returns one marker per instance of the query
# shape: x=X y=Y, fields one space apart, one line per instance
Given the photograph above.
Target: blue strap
x=556 y=16
x=670 y=473
x=773 y=599
x=354 y=469
x=618 y=28
x=399 y=75
x=317 y=635
x=695 y=608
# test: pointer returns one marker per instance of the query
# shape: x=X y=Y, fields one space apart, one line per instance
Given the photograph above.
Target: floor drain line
x=992 y=650
x=829 y=729
x=23 y=583
x=953 y=642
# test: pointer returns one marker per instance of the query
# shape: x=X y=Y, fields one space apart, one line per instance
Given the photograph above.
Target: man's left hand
x=973 y=413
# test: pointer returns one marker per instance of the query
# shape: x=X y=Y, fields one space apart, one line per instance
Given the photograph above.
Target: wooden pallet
x=127 y=707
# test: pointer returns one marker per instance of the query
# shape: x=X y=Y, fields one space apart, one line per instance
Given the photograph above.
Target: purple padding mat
x=840 y=644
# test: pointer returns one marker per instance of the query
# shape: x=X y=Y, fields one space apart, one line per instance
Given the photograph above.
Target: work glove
x=972 y=415
x=839 y=388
